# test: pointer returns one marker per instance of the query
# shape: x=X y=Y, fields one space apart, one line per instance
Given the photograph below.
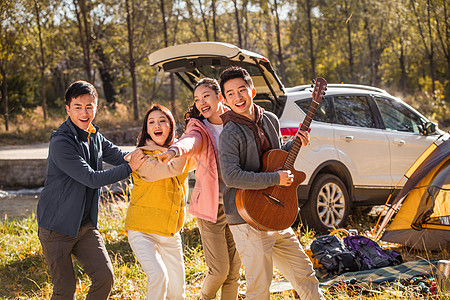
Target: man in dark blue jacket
x=67 y=211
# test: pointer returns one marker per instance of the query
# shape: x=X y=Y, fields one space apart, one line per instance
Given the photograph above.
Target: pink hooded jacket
x=198 y=141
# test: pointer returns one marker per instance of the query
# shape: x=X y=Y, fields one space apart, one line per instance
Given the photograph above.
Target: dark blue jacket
x=61 y=204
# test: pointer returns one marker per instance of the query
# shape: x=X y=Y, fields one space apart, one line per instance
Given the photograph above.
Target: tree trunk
x=404 y=76
x=447 y=56
x=431 y=56
x=375 y=48
x=280 y=48
x=311 y=41
x=192 y=16
x=238 y=23
x=42 y=64
x=5 y=95
x=428 y=50
x=84 y=36
x=214 y=16
x=172 y=76
x=107 y=78
x=349 y=41
x=268 y=32
x=204 y=21
x=444 y=39
x=131 y=61
x=245 y=24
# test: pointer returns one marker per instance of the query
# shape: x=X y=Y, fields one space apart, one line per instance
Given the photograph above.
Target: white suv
x=362 y=139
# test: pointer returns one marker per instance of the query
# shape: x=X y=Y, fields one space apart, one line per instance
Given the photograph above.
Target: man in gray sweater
x=248 y=132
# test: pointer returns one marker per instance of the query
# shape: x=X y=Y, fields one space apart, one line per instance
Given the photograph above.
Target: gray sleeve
x=233 y=145
x=288 y=145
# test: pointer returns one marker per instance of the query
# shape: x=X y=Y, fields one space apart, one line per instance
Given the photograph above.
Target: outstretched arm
x=151 y=170
x=189 y=144
x=66 y=157
x=166 y=157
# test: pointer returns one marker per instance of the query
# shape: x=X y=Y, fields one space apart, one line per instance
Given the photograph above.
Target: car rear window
x=353 y=111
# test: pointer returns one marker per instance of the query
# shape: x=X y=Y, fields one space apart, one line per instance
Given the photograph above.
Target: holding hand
x=286 y=177
x=165 y=157
x=304 y=137
x=137 y=157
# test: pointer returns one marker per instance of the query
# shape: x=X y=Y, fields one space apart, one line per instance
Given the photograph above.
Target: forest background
x=402 y=46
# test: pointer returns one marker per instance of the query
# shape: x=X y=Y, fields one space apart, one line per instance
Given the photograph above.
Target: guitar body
x=276 y=207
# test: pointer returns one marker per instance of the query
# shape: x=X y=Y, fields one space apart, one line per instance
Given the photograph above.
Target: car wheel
x=328 y=204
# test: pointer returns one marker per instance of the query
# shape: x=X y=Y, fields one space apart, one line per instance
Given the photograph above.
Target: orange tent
x=421 y=210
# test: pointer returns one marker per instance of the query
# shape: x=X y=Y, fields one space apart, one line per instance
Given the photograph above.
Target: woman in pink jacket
x=200 y=140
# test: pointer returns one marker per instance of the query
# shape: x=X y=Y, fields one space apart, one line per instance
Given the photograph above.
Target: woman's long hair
x=192 y=111
x=144 y=136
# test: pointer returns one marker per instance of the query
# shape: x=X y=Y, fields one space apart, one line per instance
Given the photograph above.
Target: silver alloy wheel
x=331 y=205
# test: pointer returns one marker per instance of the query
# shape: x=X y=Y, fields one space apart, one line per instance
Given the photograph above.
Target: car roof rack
x=339 y=85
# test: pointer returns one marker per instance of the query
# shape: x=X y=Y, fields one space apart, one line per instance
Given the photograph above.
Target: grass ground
x=23 y=271
x=24 y=275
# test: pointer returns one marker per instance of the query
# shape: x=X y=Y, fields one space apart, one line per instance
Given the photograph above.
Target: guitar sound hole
x=272 y=199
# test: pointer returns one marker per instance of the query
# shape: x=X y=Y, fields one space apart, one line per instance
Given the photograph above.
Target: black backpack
x=333 y=256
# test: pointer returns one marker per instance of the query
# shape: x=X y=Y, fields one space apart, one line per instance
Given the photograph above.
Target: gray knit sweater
x=240 y=164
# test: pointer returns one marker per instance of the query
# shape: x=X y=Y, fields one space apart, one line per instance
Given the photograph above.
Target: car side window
x=353 y=111
x=322 y=112
x=397 y=117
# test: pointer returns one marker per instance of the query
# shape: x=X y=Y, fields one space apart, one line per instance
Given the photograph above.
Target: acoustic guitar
x=276 y=207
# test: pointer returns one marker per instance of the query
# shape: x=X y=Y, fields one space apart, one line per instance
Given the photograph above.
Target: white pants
x=161 y=258
x=259 y=250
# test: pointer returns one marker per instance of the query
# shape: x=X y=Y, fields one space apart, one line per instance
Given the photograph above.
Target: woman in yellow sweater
x=157 y=209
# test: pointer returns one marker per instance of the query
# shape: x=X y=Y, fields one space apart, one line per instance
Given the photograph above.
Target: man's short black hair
x=79 y=88
x=232 y=73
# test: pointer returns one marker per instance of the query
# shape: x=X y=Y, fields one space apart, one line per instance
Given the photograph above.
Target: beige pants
x=161 y=258
x=259 y=250
x=221 y=258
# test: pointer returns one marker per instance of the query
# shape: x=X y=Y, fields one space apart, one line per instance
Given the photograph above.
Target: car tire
x=328 y=204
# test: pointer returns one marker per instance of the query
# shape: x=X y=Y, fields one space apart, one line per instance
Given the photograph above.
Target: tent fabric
x=438 y=155
x=436 y=152
x=439 y=191
x=429 y=239
x=431 y=210
x=423 y=211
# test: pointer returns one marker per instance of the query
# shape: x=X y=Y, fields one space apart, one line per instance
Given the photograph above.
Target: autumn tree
x=8 y=33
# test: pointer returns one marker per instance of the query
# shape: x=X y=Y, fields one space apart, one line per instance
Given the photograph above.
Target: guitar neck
x=297 y=144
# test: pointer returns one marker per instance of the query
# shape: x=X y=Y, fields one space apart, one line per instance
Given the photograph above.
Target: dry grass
x=24 y=275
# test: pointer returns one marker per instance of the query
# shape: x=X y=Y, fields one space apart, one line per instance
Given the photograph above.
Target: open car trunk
x=193 y=61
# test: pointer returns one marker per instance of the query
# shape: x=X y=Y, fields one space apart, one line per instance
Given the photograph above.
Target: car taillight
x=288 y=131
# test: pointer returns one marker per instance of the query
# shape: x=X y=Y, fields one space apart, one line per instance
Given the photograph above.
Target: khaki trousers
x=259 y=250
x=221 y=258
x=89 y=249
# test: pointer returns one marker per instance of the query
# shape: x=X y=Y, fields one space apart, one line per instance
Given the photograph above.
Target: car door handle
x=399 y=142
x=348 y=138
